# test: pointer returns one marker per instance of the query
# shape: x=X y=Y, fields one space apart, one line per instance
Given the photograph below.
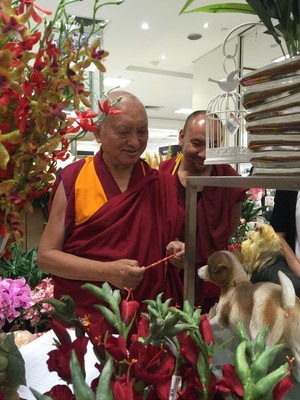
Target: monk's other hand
x=176 y=247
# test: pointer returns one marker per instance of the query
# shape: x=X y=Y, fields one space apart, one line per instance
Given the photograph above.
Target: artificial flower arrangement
x=280 y=17
x=42 y=74
x=166 y=353
x=19 y=303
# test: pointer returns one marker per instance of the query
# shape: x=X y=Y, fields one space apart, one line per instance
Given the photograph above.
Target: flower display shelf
x=193 y=184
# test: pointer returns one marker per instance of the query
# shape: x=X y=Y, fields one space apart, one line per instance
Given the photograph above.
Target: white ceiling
x=136 y=54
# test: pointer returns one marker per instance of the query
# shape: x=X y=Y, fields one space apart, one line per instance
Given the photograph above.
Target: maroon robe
x=137 y=224
x=213 y=225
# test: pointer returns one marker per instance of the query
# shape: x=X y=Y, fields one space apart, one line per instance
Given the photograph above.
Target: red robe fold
x=137 y=224
x=213 y=222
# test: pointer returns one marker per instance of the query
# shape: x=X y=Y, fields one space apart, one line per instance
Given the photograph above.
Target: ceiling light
x=116 y=82
x=145 y=26
x=185 y=111
x=163 y=57
x=194 y=36
x=205 y=25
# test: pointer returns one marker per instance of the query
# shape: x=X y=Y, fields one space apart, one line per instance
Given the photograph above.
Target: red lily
x=153 y=365
x=122 y=389
x=59 y=392
x=230 y=382
x=116 y=347
x=59 y=359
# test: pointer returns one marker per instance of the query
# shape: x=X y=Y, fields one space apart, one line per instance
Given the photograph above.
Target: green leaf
x=186 y=6
x=39 y=396
x=16 y=365
x=221 y=8
x=103 y=390
x=81 y=389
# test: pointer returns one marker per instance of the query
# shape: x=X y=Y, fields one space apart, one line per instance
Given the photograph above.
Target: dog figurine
x=263 y=257
x=255 y=305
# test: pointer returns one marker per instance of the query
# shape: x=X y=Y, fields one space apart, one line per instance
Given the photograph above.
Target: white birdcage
x=226 y=136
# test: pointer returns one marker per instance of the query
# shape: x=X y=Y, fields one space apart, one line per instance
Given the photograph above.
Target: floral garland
x=42 y=74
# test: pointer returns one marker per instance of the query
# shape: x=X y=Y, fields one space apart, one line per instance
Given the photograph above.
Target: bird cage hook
x=233 y=56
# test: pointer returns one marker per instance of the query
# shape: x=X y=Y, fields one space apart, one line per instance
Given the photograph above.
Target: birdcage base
x=228 y=155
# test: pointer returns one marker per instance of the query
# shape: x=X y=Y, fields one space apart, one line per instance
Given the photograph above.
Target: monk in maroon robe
x=112 y=215
x=218 y=208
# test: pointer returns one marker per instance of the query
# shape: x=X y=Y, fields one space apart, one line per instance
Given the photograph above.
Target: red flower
x=122 y=389
x=282 y=388
x=205 y=329
x=153 y=365
x=59 y=359
x=84 y=122
x=106 y=108
x=128 y=310
x=34 y=14
x=59 y=392
x=96 y=332
x=188 y=348
x=116 y=347
x=230 y=382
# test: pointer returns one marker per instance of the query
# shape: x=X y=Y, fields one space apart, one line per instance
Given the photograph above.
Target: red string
x=160 y=261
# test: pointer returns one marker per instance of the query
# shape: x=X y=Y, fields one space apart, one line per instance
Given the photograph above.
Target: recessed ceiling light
x=145 y=26
x=205 y=25
x=116 y=82
x=194 y=36
x=163 y=57
x=185 y=111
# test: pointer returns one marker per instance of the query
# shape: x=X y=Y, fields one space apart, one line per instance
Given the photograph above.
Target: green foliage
x=15 y=371
x=22 y=264
x=253 y=361
x=249 y=210
x=286 y=12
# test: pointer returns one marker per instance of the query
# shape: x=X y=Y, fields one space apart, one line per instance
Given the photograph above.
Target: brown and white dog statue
x=255 y=305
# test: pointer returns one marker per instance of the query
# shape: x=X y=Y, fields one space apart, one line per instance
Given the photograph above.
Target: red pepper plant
x=164 y=354
x=42 y=74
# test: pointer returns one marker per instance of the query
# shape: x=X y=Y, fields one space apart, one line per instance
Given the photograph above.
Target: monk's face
x=124 y=136
x=193 y=143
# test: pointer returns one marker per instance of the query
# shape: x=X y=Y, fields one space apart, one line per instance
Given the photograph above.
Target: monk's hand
x=176 y=247
x=126 y=274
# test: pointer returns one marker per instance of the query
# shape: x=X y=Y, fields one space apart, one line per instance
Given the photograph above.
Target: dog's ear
x=218 y=261
x=218 y=267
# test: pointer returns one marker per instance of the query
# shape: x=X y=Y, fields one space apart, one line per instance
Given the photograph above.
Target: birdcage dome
x=226 y=136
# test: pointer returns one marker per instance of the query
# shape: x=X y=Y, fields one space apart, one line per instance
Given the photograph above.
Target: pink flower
x=14 y=296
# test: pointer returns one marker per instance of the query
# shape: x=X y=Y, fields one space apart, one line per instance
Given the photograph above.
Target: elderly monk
x=112 y=215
